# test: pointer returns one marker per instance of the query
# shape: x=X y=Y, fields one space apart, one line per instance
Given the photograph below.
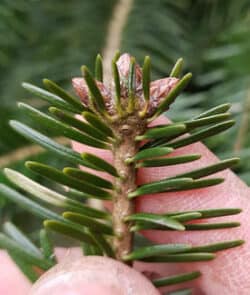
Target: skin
x=228 y=274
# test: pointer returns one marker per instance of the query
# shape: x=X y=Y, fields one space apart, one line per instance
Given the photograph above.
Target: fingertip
x=93 y=275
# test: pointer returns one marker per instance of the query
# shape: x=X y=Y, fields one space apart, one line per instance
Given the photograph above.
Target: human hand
x=227 y=274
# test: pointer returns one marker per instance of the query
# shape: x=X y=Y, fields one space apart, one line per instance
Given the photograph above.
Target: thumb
x=92 y=275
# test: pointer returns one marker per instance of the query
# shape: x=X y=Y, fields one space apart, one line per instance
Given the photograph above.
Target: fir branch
x=118 y=121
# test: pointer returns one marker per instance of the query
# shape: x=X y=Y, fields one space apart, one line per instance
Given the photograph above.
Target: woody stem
x=122 y=205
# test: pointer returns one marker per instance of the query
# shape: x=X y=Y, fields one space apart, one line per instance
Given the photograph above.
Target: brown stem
x=122 y=206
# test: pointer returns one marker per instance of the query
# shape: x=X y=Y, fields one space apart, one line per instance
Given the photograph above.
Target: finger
x=92 y=275
x=232 y=193
x=12 y=281
x=227 y=273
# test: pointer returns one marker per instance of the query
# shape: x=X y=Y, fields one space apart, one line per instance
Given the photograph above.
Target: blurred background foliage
x=54 y=38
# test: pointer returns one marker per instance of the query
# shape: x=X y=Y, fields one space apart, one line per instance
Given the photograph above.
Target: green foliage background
x=53 y=38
